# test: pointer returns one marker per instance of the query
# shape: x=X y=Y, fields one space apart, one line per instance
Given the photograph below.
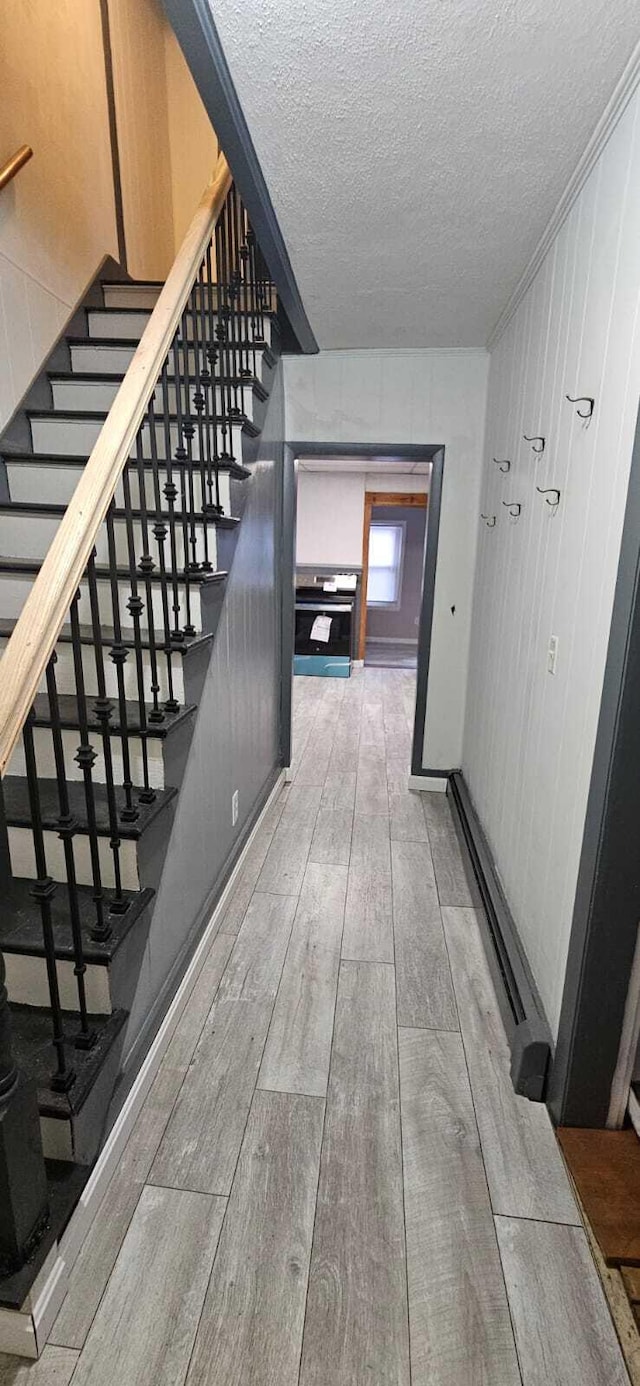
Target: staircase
x=90 y=788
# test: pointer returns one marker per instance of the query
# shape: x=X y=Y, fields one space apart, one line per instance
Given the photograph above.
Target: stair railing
x=119 y=583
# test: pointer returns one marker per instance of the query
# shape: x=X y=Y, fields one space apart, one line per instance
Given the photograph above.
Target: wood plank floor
x=331 y=1182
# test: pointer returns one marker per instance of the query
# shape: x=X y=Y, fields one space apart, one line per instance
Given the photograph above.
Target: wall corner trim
x=193 y=24
x=520 y=1006
x=614 y=109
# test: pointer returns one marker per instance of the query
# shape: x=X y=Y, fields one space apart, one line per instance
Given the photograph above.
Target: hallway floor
x=332 y=1182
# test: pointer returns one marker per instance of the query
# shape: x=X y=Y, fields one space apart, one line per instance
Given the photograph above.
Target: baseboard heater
x=521 y=1009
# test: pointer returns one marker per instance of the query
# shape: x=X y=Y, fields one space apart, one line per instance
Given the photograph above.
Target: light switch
x=552 y=654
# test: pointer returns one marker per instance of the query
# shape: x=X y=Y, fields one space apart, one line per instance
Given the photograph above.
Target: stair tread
x=100 y=416
x=237 y=312
x=33 y=566
x=18 y=813
x=21 y=922
x=47 y=508
x=33 y=1051
x=72 y=459
x=68 y=706
x=184 y=647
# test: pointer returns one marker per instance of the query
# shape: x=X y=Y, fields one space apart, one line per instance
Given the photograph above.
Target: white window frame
x=402 y=526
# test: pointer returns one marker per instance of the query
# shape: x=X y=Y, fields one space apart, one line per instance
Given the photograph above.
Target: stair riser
x=129 y=326
x=14 y=590
x=130 y=295
x=47 y=483
x=28 y=986
x=77 y=438
x=89 y=358
x=23 y=859
x=46 y=765
x=30 y=536
x=98 y=395
x=65 y=677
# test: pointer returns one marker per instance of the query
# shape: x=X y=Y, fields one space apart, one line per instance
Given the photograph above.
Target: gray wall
x=403 y=623
x=235 y=743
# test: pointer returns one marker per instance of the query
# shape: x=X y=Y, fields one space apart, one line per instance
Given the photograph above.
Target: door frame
x=600 y=995
x=410 y=453
x=411 y=500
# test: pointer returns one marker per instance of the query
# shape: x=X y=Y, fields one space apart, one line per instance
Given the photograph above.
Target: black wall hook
x=513 y=507
x=504 y=463
x=550 y=491
x=535 y=439
x=489 y=520
x=583 y=399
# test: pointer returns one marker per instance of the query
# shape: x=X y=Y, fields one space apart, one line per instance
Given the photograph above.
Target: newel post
x=24 y=1199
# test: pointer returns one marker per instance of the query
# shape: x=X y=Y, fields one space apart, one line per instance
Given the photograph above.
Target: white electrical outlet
x=552 y=654
x=234 y=808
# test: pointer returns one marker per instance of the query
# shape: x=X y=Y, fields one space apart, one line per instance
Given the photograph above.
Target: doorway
x=393 y=545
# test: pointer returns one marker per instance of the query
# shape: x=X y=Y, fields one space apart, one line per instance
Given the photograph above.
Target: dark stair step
x=65 y=459
x=68 y=707
x=248 y=382
x=33 y=1051
x=32 y=566
x=99 y=416
x=37 y=508
x=184 y=647
x=18 y=812
x=21 y=921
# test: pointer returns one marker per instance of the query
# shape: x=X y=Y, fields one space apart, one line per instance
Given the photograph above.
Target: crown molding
x=612 y=113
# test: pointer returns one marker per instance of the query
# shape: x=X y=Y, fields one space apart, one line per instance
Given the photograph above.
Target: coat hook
x=550 y=491
x=582 y=399
x=513 y=507
x=489 y=520
x=535 y=439
x=504 y=464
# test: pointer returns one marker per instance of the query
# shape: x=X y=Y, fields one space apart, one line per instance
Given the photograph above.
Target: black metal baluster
x=181 y=456
x=119 y=655
x=85 y=758
x=103 y=708
x=43 y=890
x=213 y=358
x=235 y=337
x=146 y=567
x=171 y=494
x=160 y=531
x=67 y=829
x=253 y=294
x=188 y=433
x=222 y=335
x=135 y=607
x=248 y=363
x=208 y=388
x=204 y=438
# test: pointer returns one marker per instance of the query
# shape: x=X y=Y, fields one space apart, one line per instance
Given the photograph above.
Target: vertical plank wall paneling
x=400 y=396
x=530 y=735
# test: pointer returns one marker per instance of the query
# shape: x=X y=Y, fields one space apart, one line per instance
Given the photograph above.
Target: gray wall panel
x=236 y=738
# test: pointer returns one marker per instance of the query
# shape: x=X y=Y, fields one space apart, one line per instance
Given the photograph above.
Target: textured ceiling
x=415 y=151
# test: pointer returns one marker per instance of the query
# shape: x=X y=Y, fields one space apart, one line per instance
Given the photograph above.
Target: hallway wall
x=530 y=735
x=413 y=397
x=330 y=512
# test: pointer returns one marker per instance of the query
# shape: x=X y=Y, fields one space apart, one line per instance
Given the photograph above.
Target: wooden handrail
x=14 y=164
x=37 y=629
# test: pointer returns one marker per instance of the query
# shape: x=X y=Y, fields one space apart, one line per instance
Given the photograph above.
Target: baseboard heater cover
x=521 y=1009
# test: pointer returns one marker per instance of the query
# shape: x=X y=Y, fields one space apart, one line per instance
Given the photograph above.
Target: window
x=386 y=548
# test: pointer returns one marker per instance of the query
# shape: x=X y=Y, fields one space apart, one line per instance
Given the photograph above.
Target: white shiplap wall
x=530 y=735
x=413 y=397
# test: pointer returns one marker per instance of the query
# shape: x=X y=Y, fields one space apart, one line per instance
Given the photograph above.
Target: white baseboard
x=429 y=783
x=288 y=774
x=24 y=1332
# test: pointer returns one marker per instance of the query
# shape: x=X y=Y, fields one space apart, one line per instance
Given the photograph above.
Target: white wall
x=57 y=217
x=530 y=736
x=330 y=515
x=413 y=397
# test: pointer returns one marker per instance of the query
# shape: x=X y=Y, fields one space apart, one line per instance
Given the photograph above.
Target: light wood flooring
x=332 y=1182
